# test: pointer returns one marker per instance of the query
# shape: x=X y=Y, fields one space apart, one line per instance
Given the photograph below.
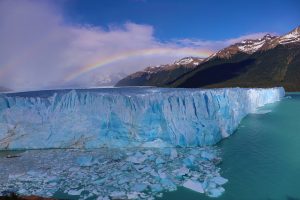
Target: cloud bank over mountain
x=40 y=49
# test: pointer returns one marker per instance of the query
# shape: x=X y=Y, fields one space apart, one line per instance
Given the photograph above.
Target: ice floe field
x=142 y=173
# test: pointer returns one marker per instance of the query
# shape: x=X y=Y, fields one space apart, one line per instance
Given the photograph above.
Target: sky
x=81 y=43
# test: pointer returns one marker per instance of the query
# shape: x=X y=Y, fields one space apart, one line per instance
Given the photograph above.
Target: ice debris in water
x=107 y=173
x=193 y=185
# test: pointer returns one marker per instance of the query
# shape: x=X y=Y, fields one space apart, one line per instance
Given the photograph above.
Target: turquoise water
x=262 y=159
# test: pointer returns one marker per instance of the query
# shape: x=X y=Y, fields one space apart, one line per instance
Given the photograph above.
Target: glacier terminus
x=122 y=117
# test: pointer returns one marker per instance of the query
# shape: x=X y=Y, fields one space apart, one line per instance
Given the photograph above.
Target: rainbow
x=144 y=52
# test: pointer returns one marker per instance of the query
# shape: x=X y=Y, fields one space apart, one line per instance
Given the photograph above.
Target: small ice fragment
x=181 y=171
x=216 y=192
x=189 y=161
x=158 y=143
x=156 y=188
x=102 y=198
x=137 y=158
x=148 y=152
x=75 y=192
x=193 y=185
x=159 y=161
x=174 y=154
x=168 y=184
x=22 y=191
x=34 y=173
x=207 y=155
x=85 y=161
x=118 y=195
x=133 y=195
x=162 y=174
x=139 y=187
x=194 y=152
x=219 y=180
x=166 y=151
x=14 y=176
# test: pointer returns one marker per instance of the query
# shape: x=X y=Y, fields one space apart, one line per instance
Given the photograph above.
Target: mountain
x=162 y=74
x=109 y=80
x=4 y=89
x=266 y=62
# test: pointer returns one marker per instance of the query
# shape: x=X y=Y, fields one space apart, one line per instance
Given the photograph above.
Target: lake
x=262 y=159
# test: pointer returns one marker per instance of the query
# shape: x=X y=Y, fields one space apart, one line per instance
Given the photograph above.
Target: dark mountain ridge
x=266 y=62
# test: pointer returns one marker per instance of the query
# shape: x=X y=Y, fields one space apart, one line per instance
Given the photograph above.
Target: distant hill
x=266 y=62
x=161 y=75
x=4 y=89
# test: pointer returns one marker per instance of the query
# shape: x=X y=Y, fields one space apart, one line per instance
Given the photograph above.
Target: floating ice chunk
x=168 y=184
x=207 y=155
x=189 y=161
x=85 y=161
x=159 y=161
x=148 y=152
x=14 y=176
x=219 y=180
x=103 y=198
x=75 y=192
x=195 y=152
x=118 y=195
x=137 y=158
x=162 y=174
x=174 y=154
x=146 y=169
x=158 y=143
x=22 y=191
x=34 y=173
x=166 y=151
x=156 y=188
x=99 y=181
x=133 y=195
x=193 y=185
x=216 y=192
x=181 y=171
x=139 y=187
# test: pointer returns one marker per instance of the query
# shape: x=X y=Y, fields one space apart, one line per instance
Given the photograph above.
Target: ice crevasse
x=126 y=117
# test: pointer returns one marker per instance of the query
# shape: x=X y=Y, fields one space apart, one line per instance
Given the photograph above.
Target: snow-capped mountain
x=291 y=37
x=265 y=62
x=251 y=46
x=161 y=74
x=188 y=62
x=109 y=79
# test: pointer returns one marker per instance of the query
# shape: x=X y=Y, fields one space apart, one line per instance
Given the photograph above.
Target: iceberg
x=126 y=117
x=193 y=185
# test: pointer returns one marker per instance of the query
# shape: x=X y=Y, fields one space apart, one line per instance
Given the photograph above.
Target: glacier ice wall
x=123 y=117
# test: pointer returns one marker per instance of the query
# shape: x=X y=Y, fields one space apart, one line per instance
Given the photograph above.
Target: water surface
x=262 y=159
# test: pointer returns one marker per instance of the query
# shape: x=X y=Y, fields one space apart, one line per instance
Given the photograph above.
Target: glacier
x=126 y=117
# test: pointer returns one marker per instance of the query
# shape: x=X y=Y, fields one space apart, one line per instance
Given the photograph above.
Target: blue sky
x=209 y=19
x=82 y=43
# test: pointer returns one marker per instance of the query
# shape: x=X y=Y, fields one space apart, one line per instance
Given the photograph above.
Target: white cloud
x=215 y=45
x=39 y=48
